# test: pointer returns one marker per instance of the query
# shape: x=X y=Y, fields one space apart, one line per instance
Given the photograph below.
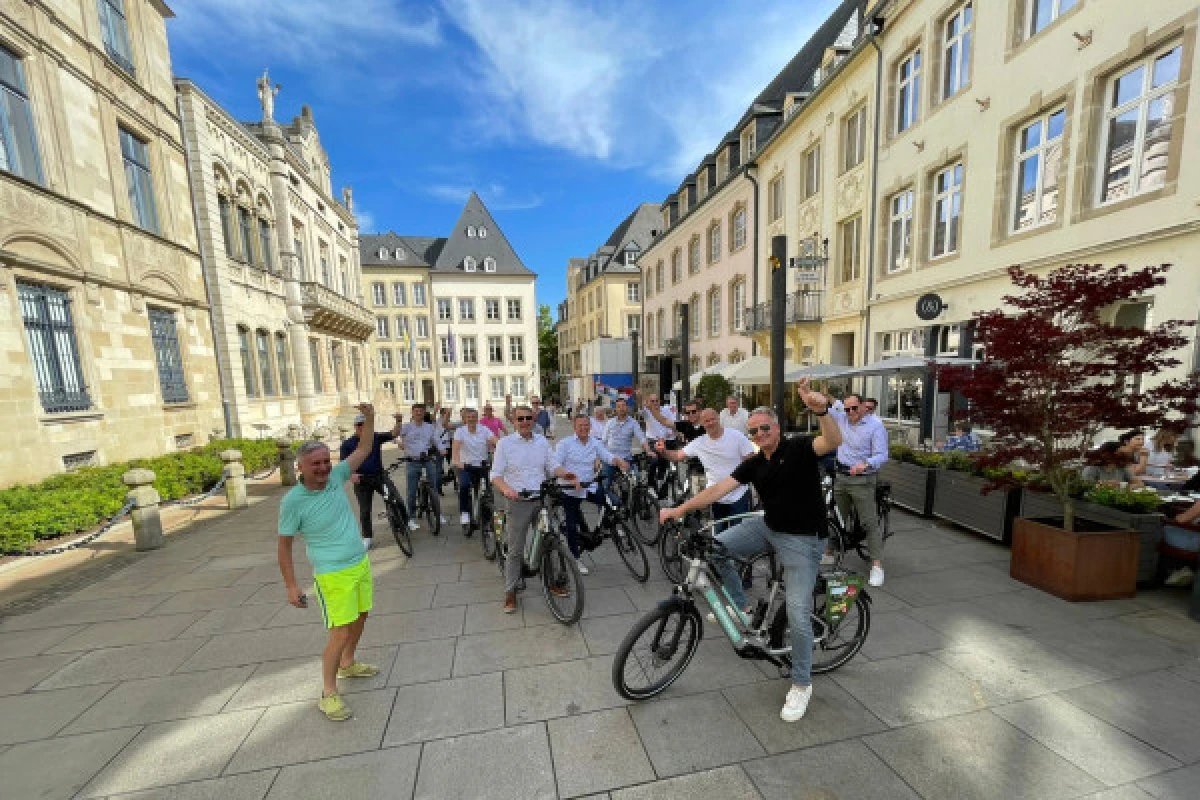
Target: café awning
x=893 y=366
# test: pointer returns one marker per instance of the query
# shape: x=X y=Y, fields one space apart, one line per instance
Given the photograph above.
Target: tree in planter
x=1056 y=372
x=714 y=389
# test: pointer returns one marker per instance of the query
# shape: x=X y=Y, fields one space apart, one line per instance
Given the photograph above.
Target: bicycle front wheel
x=834 y=645
x=632 y=552
x=562 y=585
x=645 y=517
x=656 y=651
x=399 y=526
x=668 y=552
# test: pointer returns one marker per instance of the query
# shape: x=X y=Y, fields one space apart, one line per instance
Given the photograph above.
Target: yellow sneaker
x=358 y=670
x=333 y=707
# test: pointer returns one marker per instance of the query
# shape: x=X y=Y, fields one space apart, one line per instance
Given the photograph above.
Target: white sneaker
x=796 y=703
x=828 y=560
x=583 y=570
x=367 y=542
x=464 y=519
x=442 y=517
x=876 y=578
x=412 y=524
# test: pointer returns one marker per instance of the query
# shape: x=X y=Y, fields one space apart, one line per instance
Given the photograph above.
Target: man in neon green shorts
x=318 y=509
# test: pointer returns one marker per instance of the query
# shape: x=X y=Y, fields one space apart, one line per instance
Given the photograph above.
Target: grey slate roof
x=634 y=231
x=415 y=249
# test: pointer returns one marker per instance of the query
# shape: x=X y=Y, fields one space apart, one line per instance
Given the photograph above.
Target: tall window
x=495 y=350
x=696 y=316
x=514 y=310
x=491 y=310
x=247 y=356
x=471 y=390
x=660 y=325
x=382 y=328
x=114 y=28
x=1141 y=102
x=633 y=322
x=18 y=145
x=516 y=349
x=385 y=359
x=466 y=310
x=659 y=279
x=264 y=245
x=404 y=359
x=1038 y=157
x=449 y=389
x=739 y=305
x=694 y=255
x=50 y=332
x=445 y=312
x=908 y=91
x=676 y=266
x=496 y=386
x=246 y=228
x=314 y=354
x=947 y=209
x=225 y=207
x=714 y=243
x=633 y=292
x=714 y=312
x=445 y=349
x=469 y=354
x=812 y=172
x=390 y=387
x=854 y=139
x=956 y=53
x=1042 y=12
x=650 y=330
x=408 y=391
x=136 y=156
x=419 y=294
x=262 y=343
x=737 y=239
x=518 y=387
x=422 y=327
x=775 y=199
x=298 y=246
x=283 y=363
x=399 y=298
x=900 y=213
x=379 y=294
x=850 y=255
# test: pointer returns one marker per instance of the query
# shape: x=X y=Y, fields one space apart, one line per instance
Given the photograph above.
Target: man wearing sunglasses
x=522 y=461
x=370 y=476
x=786 y=475
x=862 y=452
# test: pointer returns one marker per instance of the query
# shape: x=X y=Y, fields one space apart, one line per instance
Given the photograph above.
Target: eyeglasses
x=851 y=408
x=754 y=431
x=526 y=418
x=691 y=411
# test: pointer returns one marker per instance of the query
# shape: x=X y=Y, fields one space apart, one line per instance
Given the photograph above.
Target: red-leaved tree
x=1056 y=372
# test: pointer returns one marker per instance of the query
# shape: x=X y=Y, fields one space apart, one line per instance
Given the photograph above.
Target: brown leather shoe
x=510 y=602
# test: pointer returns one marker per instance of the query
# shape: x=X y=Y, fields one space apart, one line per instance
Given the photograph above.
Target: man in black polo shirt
x=369 y=478
x=785 y=473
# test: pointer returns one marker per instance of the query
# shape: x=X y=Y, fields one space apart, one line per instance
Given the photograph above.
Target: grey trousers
x=859 y=491
x=521 y=514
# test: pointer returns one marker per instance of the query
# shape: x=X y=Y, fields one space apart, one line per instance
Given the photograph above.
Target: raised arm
x=831 y=433
x=366 y=439
x=702 y=500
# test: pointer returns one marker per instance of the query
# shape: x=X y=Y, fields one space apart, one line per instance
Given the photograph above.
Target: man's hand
x=621 y=464
x=668 y=514
x=296 y=597
x=509 y=492
x=858 y=469
x=366 y=409
x=660 y=446
x=813 y=400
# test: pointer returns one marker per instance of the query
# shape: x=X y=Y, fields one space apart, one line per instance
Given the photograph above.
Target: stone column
x=287 y=462
x=147 y=525
x=235 y=478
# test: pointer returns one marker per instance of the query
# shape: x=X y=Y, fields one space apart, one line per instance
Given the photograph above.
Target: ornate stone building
x=281 y=262
x=104 y=324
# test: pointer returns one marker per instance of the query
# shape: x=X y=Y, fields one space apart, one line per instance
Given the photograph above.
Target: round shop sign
x=929 y=306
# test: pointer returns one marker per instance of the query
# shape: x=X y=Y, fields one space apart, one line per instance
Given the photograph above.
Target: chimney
x=348 y=198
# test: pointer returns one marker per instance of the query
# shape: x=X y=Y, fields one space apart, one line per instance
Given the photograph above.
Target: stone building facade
x=281 y=261
x=104 y=321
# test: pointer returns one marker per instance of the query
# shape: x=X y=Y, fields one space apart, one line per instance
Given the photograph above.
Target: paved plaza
x=184 y=674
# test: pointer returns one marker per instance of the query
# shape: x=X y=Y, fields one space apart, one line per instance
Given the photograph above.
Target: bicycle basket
x=841 y=593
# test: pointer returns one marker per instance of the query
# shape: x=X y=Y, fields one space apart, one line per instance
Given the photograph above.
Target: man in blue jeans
x=418 y=438
x=786 y=475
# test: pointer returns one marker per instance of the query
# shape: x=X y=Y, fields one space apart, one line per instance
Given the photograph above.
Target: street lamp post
x=685 y=350
x=814 y=256
x=633 y=339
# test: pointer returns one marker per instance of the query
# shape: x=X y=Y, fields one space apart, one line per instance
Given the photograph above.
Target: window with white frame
x=401 y=326
x=445 y=349
x=850 y=248
x=390 y=387
x=676 y=266
x=633 y=322
x=696 y=316
x=738 y=303
x=775 y=199
x=136 y=154
x=1040 y=13
x=449 y=389
x=495 y=349
x=812 y=172
x=737 y=239
x=445 y=311
x=947 y=210
x=956 y=50
x=379 y=294
x=694 y=255
x=496 y=388
x=469 y=264
x=1137 y=125
x=382 y=328
x=466 y=310
x=399 y=296
x=659 y=277
x=908 y=91
x=385 y=359
x=854 y=139
x=661 y=326
x=1038 y=159
x=422 y=327
x=900 y=216
x=418 y=294
x=409 y=390
x=714 y=312
x=516 y=349
x=518 y=387
x=471 y=390
x=650 y=330
x=469 y=353
x=404 y=359
x=491 y=309
x=714 y=243
x=489 y=264
x=18 y=144
x=748 y=143
x=514 y=309
x=633 y=292
x=425 y=359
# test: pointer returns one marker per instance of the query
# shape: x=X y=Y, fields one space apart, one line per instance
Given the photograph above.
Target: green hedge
x=80 y=500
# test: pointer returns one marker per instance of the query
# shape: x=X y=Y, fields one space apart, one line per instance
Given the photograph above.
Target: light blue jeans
x=800 y=557
x=412 y=473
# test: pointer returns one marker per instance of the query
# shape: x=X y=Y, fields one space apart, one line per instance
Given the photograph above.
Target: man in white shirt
x=599 y=423
x=733 y=416
x=720 y=452
x=578 y=455
x=417 y=439
x=468 y=451
x=522 y=461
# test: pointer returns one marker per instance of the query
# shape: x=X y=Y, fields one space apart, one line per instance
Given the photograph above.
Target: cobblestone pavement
x=185 y=675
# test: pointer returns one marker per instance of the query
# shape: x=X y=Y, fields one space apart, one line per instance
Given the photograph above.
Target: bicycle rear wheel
x=399 y=525
x=644 y=515
x=562 y=585
x=483 y=518
x=632 y=552
x=840 y=642
x=656 y=651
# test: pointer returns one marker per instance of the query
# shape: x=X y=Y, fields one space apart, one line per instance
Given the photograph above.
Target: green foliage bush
x=77 y=501
x=714 y=389
x=1134 y=501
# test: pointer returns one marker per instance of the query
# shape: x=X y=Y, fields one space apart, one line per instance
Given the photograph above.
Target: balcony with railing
x=325 y=309
x=803 y=306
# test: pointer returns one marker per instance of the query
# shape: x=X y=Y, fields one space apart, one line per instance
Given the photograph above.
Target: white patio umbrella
x=817 y=372
x=891 y=366
x=695 y=377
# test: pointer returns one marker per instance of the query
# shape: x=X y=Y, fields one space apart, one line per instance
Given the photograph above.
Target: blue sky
x=563 y=114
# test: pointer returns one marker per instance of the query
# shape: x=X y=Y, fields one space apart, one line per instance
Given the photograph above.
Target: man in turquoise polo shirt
x=317 y=508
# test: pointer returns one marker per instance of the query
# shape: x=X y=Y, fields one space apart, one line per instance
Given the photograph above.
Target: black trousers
x=365 y=491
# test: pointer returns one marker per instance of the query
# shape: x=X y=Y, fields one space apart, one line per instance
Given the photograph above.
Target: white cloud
x=366 y=220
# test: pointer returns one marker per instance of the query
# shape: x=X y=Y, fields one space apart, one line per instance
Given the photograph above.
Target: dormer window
x=470 y=231
x=400 y=253
x=469 y=264
x=482 y=232
x=383 y=254
x=489 y=264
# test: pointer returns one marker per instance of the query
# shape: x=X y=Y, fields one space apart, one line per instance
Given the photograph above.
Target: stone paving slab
x=560 y=689
x=422 y=662
x=510 y=762
x=500 y=650
x=391 y=772
x=598 y=751
x=833 y=714
x=123 y=663
x=909 y=689
x=251 y=786
x=19 y=675
x=1158 y=708
x=126 y=632
x=28 y=643
x=277 y=682
x=686 y=734
x=56 y=769
x=446 y=708
x=37 y=715
x=728 y=783
x=845 y=769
